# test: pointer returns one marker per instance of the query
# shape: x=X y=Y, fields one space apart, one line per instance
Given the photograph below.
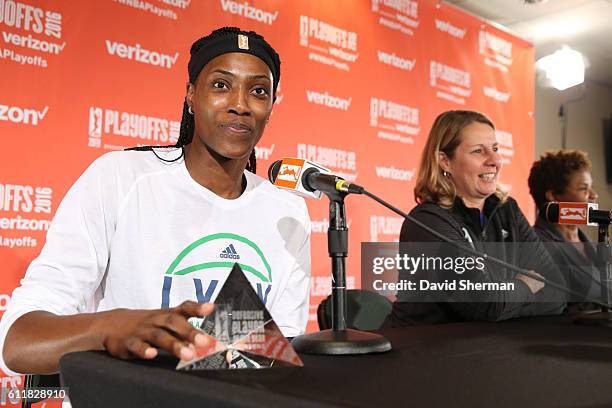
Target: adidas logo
x=230 y=252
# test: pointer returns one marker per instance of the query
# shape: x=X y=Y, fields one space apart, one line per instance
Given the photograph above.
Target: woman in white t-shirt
x=96 y=284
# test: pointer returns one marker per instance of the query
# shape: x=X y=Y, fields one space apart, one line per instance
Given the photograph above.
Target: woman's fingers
x=138 y=333
x=189 y=309
x=178 y=325
x=163 y=339
x=140 y=349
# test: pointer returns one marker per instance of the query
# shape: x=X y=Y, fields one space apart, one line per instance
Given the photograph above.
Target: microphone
x=575 y=213
x=308 y=179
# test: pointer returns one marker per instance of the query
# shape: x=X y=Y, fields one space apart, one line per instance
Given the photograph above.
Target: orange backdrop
x=362 y=81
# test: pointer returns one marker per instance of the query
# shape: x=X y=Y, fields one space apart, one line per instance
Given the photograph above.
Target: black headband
x=245 y=42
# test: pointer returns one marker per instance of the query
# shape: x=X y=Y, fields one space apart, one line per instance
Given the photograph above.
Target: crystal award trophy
x=242 y=332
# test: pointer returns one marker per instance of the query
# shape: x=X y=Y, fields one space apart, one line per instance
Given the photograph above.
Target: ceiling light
x=563 y=69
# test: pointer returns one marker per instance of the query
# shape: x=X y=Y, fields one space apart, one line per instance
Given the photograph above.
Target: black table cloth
x=538 y=362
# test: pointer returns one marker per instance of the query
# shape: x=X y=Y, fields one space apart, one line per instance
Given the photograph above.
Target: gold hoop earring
x=189 y=109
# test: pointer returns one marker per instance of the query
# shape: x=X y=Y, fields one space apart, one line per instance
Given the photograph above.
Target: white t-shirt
x=137 y=232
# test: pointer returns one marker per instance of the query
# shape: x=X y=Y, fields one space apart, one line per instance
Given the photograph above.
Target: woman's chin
x=485 y=192
x=234 y=153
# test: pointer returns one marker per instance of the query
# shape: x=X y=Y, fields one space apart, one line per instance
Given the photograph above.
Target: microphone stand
x=604 y=253
x=339 y=340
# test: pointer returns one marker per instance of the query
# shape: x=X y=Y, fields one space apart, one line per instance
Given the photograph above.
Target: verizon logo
x=264 y=153
x=447 y=27
x=397 y=62
x=33 y=43
x=328 y=100
x=248 y=11
x=20 y=115
x=347 y=56
x=317 y=226
x=137 y=53
x=495 y=94
x=321 y=226
x=393 y=173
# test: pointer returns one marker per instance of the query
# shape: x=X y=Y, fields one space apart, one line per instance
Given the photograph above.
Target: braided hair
x=187 y=120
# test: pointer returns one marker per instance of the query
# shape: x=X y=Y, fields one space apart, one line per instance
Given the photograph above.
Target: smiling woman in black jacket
x=459 y=196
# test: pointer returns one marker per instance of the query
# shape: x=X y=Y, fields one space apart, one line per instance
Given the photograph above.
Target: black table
x=543 y=362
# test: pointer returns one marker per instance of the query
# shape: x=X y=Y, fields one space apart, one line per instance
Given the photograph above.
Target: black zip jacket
x=502 y=223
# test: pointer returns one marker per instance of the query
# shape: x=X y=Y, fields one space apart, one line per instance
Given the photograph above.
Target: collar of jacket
x=472 y=215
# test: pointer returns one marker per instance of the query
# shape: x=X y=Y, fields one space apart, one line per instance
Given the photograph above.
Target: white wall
x=586 y=106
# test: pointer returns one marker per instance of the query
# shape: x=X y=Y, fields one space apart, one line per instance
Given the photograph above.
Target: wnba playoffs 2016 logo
x=497 y=51
x=399 y=122
x=150 y=129
x=385 y=225
x=95 y=122
x=304 y=30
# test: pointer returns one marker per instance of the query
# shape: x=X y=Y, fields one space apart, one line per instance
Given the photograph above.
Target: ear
x=189 y=92
x=550 y=196
x=444 y=162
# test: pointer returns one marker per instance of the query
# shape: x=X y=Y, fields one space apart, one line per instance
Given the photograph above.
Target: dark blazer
x=581 y=273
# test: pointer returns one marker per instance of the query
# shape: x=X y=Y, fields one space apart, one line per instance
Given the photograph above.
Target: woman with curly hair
x=565 y=175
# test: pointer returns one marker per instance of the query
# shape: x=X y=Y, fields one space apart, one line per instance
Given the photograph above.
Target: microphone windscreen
x=551 y=212
x=273 y=170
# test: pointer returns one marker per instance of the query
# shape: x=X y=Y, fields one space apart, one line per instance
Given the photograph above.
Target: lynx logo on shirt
x=200 y=267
